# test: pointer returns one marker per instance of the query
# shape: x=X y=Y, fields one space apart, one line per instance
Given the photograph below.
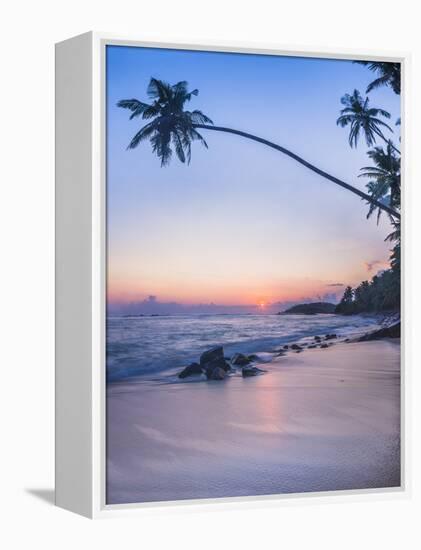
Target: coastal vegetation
x=382 y=293
x=313 y=308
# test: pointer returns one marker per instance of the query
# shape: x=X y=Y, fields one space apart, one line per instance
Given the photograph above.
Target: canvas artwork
x=253 y=274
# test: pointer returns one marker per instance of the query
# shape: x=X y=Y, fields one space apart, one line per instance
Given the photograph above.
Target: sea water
x=155 y=347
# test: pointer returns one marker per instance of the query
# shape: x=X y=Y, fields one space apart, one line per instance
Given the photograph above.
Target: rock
x=392 y=331
x=286 y=347
x=217 y=374
x=251 y=371
x=190 y=370
x=253 y=357
x=330 y=336
x=209 y=371
x=211 y=355
x=212 y=359
x=312 y=346
x=317 y=338
x=240 y=359
x=296 y=346
x=324 y=346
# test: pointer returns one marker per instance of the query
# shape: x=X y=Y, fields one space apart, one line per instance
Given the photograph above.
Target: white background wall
x=28 y=32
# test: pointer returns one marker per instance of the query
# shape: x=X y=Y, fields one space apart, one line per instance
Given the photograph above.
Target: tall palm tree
x=385 y=184
x=363 y=119
x=389 y=74
x=172 y=126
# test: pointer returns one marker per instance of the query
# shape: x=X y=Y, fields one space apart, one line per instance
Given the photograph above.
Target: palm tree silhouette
x=173 y=127
x=363 y=119
x=385 y=184
x=389 y=75
x=171 y=124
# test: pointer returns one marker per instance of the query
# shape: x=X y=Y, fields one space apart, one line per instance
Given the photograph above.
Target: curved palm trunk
x=380 y=134
x=304 y=163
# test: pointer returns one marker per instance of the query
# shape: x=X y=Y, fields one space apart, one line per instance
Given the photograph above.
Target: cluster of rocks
x=216 y=366
x=318 y=342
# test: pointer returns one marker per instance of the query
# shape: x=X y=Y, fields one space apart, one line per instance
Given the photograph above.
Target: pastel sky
x=242 y=224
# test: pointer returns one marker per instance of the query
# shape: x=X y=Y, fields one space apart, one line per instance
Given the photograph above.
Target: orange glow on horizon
x=298 y=290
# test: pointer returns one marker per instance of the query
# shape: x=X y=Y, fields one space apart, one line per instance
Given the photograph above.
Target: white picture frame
x=81 y=274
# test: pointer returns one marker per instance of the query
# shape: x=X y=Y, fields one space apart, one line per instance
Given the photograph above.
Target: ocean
x=157 y=347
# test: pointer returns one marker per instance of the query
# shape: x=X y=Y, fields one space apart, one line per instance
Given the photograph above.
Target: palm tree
x=385 y=184
x=172 y=126
x=363 y=119
x=389 y=75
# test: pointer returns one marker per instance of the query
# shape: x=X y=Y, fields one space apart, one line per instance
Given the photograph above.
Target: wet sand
x=321 y=420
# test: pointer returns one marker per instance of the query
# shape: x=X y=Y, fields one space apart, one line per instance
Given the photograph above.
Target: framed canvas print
x=230 y=238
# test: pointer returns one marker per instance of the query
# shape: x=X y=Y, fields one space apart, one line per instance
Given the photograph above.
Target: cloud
x=370 y=266
x=335 y=284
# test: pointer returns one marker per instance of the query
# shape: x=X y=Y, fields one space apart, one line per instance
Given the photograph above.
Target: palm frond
x=134 y=105
x=389 y=74
x=195 y=135
x=343 y=120
x=158 y=89
x=377 y=83
x=376 y=112
x=178 y=146
x=197 y=117
x=142 y=134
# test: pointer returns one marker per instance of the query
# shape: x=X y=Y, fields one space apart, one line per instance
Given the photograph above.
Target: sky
x=242 y=225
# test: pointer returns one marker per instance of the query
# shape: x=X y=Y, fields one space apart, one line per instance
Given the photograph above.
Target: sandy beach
x=321 y=420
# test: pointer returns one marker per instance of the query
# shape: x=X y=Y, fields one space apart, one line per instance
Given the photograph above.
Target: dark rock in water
x=296 y=346
x=240 y=359
x=330 y=336
x=212 y=359
x=286 y=347
x=298 y=351
x=212 y=355
x=217 y=374
x=253 y=357
x=224 y=366
x=324 y=346
x=312 y=346
x=190 y=370
x=251 y=371
x=317 y=338
x=392 y=331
